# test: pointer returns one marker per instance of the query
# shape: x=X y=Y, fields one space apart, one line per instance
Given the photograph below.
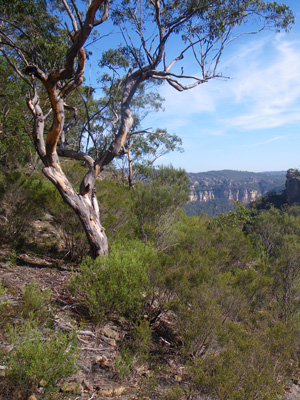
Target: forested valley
x=149 y=303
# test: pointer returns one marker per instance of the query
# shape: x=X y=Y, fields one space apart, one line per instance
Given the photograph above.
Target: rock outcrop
x=292 y=186
x=243 y=195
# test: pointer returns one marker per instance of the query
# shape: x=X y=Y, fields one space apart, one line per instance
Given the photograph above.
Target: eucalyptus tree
x=155 y=38
x=142 y=146
x=52 y=65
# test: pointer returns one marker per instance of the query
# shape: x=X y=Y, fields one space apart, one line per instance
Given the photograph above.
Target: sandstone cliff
x=233 y=185
x=213 y=192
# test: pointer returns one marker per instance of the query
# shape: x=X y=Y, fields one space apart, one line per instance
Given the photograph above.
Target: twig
x=86 y=333
x=91 y=349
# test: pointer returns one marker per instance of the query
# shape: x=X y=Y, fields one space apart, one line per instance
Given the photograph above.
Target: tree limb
x=80 y=156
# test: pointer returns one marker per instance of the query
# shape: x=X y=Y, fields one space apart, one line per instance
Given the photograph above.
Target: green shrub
x=35 y=302
x=118 y=282
x=158 y=205
x=37 y=358
x=22 y=200
x=245 y=367
x=143 y=339
x=2 y=289
x=4 y=305
x=124 y=363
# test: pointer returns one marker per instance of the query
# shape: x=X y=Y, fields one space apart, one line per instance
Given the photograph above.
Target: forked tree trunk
x=85 y=203
x=85 y=206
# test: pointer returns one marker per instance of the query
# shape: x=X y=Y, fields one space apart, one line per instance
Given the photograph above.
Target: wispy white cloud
x=264 y=93
x=263 y=119
x=274 y=139
x=268 y=88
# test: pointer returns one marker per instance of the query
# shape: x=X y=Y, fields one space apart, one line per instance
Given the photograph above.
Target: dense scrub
x=231 y=283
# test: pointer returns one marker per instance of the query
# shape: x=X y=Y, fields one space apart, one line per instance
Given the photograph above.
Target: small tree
x=51 y=61
x=156 y=204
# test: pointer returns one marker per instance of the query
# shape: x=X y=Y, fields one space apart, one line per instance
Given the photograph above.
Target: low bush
x=35 y=303
x=246 y=366
x=38 y=358
x=2 y=289
x=118 y=282
x=142 y=339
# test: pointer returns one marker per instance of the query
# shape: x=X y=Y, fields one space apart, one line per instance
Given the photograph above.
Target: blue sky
x=249 y=122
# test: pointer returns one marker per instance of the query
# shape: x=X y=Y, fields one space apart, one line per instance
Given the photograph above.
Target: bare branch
x=72 y=18
x=81 y=37
x=143 y=41
x=178 y=86
x=80 y=156
x=104 y=15
x=78 y=79
x=38 y=128
x=77 y=12
x=69 y=126
x=38 y=73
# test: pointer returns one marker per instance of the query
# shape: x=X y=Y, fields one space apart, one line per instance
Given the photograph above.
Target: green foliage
x=276 y=233
x=118 y=282
x=143 y=339
x=2 y=289
x=157 y=204
x=37 y=358
x=150 y=146
x=75 y=242
x=15 y=126
x=35 y=302
x=211 y=208
x=248 y=365
x=35 y=28
x=26 y=199
x=200 y=320
x=115 y=206
x=232 y=282
x=12 y=257
x=238 y=218
x=124 y=363
x=117 y=58
x=22 y=200
x=237 y=305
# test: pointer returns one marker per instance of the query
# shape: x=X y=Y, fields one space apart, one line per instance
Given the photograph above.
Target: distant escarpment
x=213 y=192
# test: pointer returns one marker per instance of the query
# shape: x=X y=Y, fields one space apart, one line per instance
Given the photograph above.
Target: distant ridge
x=213 y=192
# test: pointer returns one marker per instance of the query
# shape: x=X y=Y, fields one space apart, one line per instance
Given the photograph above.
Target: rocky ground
x=101 y=374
